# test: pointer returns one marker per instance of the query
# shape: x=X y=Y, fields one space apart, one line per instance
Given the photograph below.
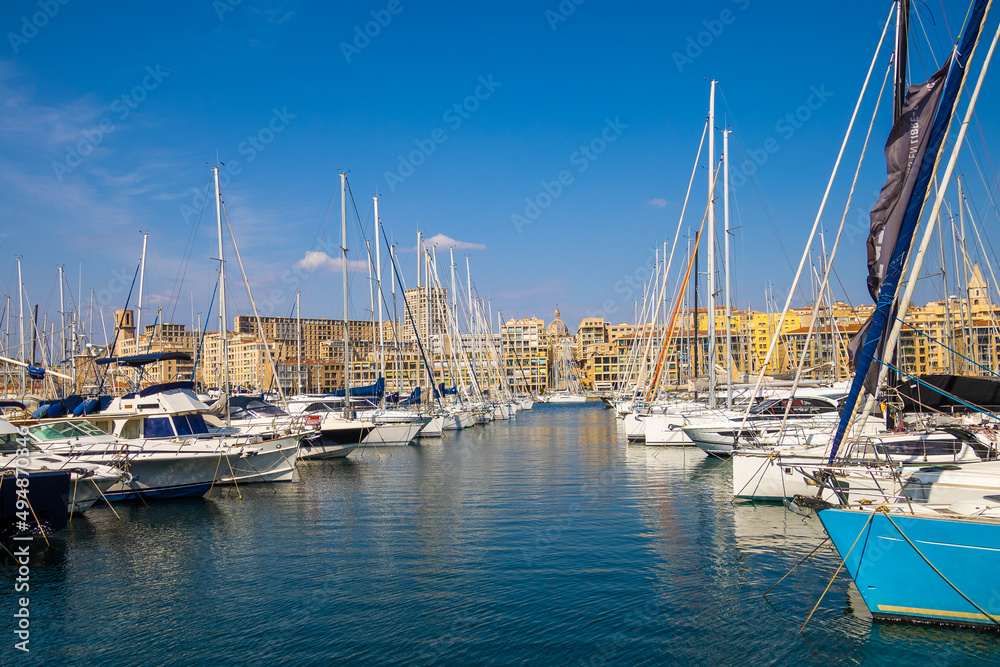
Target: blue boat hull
x=161 y=493
x=898 y=584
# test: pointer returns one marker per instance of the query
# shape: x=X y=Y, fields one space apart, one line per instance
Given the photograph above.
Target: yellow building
x=526 y=354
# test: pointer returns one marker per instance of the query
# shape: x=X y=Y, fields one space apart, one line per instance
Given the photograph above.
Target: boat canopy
x=949 y=393
x=412 y=399
x=162 y=387
x=137 y=360
x=371 y=391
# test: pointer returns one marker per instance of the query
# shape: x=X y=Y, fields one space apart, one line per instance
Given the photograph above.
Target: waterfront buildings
x=524 y=354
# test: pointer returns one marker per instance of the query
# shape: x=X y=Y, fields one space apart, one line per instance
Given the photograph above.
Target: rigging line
x=939 y=573
x=189 y=248
x=775 y=339
x=973 y=207
x=253 y=304
x=768 y=211
x=971 y=406
x=833 y=253
x=935 y=340
x=979 y=238
x=929 y=46
x=982 y=176
x=947 y=26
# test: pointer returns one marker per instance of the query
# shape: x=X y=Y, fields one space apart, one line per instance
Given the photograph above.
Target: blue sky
x=460 y=115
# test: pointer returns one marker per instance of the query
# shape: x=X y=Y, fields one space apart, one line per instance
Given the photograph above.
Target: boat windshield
x=257 y=409
x=9 y=443
x=193 y=424
x=800 y=406
x=63 y=430
x=319 y=407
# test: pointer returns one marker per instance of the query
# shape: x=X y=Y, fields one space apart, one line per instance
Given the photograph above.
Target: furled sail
x=910 y=208
x=904 y=152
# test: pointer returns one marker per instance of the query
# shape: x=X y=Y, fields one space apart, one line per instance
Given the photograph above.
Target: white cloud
x=442 y=241
x=658 y=202
x=317 y=259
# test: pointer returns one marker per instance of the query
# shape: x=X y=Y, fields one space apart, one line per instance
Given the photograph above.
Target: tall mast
x=420 y=255
x=62 y=319
x=378 y=290
x=20 y=310
x=971 y=340
x=948 y=333
x=298 y=345
x=454 y=310
x=343 y=249
x=902 y=31
x=431 y=379
x=395 y=322
x=223 y=333
x=711 y=249
x=142 y=275
x=695 y=323
x=729 y=315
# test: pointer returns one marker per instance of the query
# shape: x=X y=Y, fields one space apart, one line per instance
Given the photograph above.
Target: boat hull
x=48 y=495
x=897 y=583
x=334 y=443
x=392 y=434
x=267 y=461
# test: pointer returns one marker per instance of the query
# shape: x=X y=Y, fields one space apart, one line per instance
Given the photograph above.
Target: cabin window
x=190 y=424
x=131 y=429
x=104 y=425
x=157 y=427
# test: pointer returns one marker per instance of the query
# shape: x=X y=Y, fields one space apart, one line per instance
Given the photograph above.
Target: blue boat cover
x=143 y=359
x=371 y=391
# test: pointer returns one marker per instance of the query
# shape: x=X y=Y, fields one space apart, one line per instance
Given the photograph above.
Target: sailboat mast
x=298 y=345
x=711 y=249
x=971 y=341
x=62 y=319
x=223 y=333
x=948 y=333
x=729 y=316
x=20 y=310
x=395 y=323
x=343 y=250
x=899 y=62
x=142 y=276
x=378 y=290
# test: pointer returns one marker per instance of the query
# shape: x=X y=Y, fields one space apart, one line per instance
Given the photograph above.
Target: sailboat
x=566 y=385
x=914 y=562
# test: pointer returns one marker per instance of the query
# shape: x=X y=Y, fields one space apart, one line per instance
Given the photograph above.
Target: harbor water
x=543 y=540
